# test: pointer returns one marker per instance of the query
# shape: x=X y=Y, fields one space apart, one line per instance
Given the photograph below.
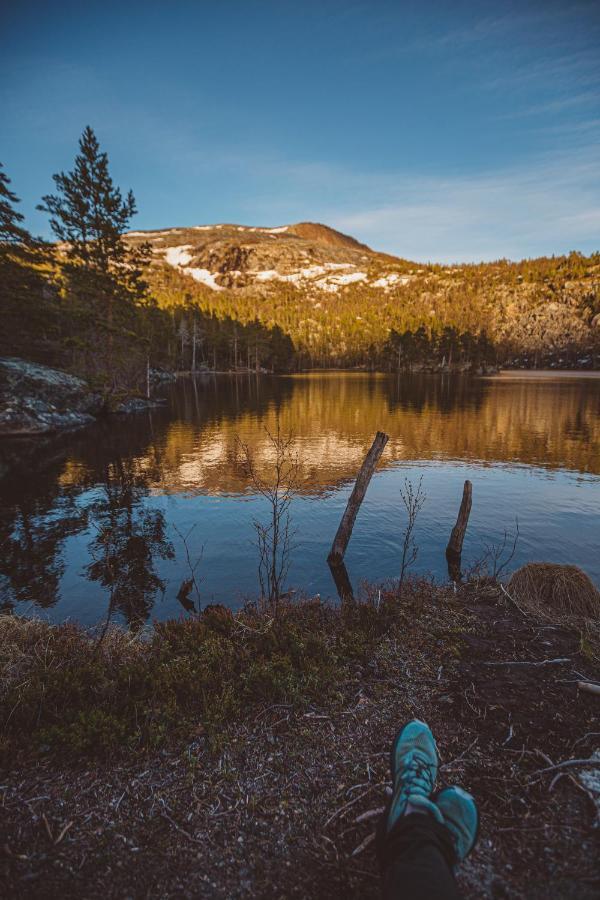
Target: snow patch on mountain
x=392 y=278
x=178 y=256
x=205 y=277
x=333 y=282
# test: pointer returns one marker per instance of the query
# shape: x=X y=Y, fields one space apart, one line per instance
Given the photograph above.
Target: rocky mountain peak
x=227 y=256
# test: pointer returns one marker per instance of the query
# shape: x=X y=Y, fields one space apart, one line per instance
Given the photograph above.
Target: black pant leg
x=417 y=858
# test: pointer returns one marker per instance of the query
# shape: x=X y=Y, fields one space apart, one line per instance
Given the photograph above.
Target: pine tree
x=89 y=213
x=26 y=299
x=104 y=278
x=11 y=231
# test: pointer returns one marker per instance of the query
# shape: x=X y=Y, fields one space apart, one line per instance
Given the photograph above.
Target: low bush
x=62 y=689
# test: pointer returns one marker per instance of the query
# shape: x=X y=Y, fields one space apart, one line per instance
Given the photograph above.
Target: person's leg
x=417 y=861
x=420 y=837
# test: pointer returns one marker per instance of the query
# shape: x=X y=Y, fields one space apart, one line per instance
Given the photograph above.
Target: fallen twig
x=63 y=832
x=458 y=759
x=512 y=599
x=570 y=764
x=180 y=829
x=528 y=662
x=47 y=827
x=345 y=807
x=369 y=814
x=364 y=844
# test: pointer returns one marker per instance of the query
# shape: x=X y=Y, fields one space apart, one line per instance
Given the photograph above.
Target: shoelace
x=416 y=774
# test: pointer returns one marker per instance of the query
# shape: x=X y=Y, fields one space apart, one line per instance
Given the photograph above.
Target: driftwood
x=344 y=532
x=457 y=536
x=589 y=687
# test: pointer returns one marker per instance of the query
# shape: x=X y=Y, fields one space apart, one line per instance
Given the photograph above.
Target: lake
x=99 y=527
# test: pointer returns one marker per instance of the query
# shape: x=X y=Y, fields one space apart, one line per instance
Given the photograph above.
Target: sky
x=437 y=131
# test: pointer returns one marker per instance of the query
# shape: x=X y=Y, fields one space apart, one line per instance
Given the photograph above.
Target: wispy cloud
x=549 y=205
x=559 y=104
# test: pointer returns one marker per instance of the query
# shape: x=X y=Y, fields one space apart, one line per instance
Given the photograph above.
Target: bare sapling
x=193 y=582
x=274 y=536
x=496 y=558
x=413 y=501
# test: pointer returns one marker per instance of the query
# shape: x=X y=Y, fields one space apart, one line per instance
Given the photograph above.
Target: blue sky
x=437 y=131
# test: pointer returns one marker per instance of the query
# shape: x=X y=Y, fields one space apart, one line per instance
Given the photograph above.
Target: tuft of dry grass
x=548 y=587
x=562 y=594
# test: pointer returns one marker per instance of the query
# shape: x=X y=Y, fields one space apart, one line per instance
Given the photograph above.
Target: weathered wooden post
x=344 y=532
x=343 y=585
x=457 y=536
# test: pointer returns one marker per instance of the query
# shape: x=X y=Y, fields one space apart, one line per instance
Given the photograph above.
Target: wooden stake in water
x=344 y=532
x=340 y=576
x=457 y=536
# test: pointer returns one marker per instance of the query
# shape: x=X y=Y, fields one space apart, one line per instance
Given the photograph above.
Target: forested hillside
x=111 y=304
x=543 y=312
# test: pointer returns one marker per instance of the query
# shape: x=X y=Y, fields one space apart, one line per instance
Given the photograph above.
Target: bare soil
x=285 y=805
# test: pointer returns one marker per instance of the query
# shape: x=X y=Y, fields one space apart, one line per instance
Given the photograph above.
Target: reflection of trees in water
x=208 y=400
x=32 y=536
x=129 y=539
x=41 y=508
x=334 y=418
x=444 y=394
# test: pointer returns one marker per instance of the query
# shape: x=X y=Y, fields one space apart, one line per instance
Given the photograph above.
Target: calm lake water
x=98 y=527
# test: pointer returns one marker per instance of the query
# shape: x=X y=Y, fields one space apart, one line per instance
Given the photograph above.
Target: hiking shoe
x=461 y=818
x=414 y=763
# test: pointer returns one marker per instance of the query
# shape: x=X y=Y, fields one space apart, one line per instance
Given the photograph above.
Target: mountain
x=239 y=257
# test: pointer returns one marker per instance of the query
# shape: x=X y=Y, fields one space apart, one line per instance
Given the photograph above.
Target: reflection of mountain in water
x=103 y=478
x=334 y=418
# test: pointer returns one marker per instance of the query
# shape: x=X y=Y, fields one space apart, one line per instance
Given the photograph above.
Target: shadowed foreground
x=238 y=756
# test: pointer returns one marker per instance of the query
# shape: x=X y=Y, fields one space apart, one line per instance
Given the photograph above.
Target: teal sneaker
x=414 y=764
x=461 y=818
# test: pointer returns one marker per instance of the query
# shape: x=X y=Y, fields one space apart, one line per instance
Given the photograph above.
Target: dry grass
x=562 y=594
x=548 y=588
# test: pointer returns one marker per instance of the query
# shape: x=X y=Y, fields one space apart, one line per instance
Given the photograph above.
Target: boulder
x=35 y=399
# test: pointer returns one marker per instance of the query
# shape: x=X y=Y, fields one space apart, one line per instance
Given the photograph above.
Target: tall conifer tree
x=88 y=212
x=12 y=232
x=104 y=276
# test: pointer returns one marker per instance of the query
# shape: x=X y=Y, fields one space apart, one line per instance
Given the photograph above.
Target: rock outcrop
x=35 y=399
x=239 y=257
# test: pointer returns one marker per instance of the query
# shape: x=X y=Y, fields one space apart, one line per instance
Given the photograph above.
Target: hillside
x=240 y=256
x=342 y=303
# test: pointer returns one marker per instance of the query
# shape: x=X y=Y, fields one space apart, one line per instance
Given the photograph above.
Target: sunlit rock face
x=307 y=255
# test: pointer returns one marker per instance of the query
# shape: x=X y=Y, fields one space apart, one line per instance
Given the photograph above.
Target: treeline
x=468 y=316
x=447 y=349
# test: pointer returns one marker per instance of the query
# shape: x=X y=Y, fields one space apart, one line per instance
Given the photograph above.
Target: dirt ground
x=286 y=807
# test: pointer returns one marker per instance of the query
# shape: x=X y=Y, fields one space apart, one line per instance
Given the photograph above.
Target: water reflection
x=129 y=540
x=32 y=536
x=103 y=507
